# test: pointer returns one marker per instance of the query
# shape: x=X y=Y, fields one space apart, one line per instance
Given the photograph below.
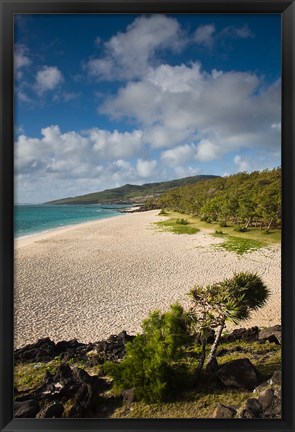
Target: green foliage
x=219 y=233
x=148 y=364
x=230 y=300
x=240 y=245
x=181 y=221
x=240 y=229
x=177 y=226
x=163 y=213
x=223 y=224
x=243 y=199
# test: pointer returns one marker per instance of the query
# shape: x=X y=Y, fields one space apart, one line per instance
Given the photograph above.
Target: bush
x=240 y=229
x=163 y=213
x=181 y=222
x=223 y=224
x=219 y=232
x=148 y=365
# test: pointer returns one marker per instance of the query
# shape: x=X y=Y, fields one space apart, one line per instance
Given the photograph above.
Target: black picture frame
x=10 y=7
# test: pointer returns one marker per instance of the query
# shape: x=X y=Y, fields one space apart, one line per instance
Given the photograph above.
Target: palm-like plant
x=231 y=300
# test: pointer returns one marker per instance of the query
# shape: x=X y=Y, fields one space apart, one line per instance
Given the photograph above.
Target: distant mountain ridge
x=131 y=194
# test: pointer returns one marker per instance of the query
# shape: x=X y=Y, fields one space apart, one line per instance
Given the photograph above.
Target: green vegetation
x=231 y=300
x=165 y=364
x=163 y=213
x=29 y=376
x=148 y=365
x=239 y=245
x=199 y=401
x=177 y=226
x=246 y=200
x=257 y=238
x=129 y=194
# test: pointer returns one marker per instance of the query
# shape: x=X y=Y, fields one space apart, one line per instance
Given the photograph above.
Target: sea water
x=33 y=218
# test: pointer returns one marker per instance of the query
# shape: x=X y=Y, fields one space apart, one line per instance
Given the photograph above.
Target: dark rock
x=248 y=414
x=223 y=411
x=272 y=334
x=42 y=350
x=212 y=366
x=63 y=373
x=253 y=405
x=26 y=409
x=54 y=410
x=266 y=398
x=276 y=379
x=242 y=334
x=239 y=373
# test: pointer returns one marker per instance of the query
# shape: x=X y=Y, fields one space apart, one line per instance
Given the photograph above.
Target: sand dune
x=92 y=280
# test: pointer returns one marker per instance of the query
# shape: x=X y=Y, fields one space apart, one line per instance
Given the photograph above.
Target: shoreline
x=94 y=279
x=25 y=240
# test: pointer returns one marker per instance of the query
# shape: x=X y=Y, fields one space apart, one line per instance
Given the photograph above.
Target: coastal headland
x=95 y=279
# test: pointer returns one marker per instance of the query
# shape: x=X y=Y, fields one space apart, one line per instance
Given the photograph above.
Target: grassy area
x=238 y=245
x=201 y=400
x=252 y=233
x=193 y=400
x=178 y=226
x=28 y=376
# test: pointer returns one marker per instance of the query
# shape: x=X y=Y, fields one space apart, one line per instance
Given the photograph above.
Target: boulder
x=239 y=373
x=266 y=398
x=26 y=409
x=242 y=334
x=223 y=411
x=42 y=350
x=272 y=334
x=54 y=410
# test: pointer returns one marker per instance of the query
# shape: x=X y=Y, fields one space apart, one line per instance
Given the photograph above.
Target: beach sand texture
x=95 y=279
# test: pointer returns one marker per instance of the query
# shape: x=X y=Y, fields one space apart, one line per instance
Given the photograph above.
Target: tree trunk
x=203 y=355
x=270 y=223
x=214 y=347
x=248 y=222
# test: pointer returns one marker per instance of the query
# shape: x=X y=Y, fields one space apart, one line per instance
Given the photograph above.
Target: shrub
x=181 y=222
x=163 y=213
x=223 y=224
x=148 y=364
x=240 y=229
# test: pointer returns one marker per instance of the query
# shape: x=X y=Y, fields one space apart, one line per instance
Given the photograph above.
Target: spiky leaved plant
x=230 y=300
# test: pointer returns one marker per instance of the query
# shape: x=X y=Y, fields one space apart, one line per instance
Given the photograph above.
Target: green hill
x=131 y=194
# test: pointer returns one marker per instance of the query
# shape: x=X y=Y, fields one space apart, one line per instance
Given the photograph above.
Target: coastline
x=34 y=237
x=97 y=278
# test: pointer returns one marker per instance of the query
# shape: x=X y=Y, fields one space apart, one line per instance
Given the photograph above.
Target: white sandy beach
x=95 y=279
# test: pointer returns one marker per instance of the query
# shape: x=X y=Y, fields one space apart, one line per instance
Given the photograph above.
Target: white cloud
x=112 y=145
x=219 y=112
x=129 y=54
x=204 y=35
x=21 y=59
x=232 y=32
x=241 y=164
x=179 y=155
x=47 y=79
x=207 y=151
x=146 y=168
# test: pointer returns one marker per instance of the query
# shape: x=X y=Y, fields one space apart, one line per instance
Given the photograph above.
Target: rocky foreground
x=68 y=390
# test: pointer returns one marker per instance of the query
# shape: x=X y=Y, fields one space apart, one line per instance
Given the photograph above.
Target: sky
x=102 y=100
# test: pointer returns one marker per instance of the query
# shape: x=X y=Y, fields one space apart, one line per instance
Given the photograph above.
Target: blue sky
x=105 y=100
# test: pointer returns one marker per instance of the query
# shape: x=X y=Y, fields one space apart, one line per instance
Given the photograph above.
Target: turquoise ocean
x=30 y=219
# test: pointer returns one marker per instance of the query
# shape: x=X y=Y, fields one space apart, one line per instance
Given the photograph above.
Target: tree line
x=244 y=199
